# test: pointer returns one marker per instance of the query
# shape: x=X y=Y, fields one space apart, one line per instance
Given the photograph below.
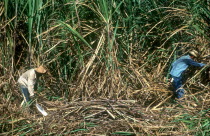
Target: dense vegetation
x=101 y=50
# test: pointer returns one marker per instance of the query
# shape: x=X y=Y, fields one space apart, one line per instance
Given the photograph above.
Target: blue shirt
x=181 y=64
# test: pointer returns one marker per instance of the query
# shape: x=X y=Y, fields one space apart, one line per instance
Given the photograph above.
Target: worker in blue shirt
x=178 y=67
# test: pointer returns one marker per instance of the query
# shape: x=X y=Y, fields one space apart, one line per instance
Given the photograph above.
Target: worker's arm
x=31 y=83
x=194 y=63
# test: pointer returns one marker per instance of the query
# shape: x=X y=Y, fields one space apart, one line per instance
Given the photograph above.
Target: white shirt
x=28 y=79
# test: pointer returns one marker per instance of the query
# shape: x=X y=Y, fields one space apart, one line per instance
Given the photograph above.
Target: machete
x=40 y=109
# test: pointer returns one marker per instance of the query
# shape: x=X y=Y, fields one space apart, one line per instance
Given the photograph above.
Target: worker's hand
x=33 y=97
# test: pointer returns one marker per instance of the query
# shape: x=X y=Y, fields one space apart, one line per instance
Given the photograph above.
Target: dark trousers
x=25 y=93
x=177 y=87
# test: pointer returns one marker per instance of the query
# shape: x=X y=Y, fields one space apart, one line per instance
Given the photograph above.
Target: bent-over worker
x=28 y=80
x=178 y=67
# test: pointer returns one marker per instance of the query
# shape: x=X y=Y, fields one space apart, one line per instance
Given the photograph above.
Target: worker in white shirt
x=28 y=80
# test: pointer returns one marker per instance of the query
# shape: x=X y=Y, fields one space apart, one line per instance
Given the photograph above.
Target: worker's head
x=193 y=54
x=40 y=70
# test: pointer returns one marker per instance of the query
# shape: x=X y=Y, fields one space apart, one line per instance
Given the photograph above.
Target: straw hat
x=41 y=69
x=194 y=53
